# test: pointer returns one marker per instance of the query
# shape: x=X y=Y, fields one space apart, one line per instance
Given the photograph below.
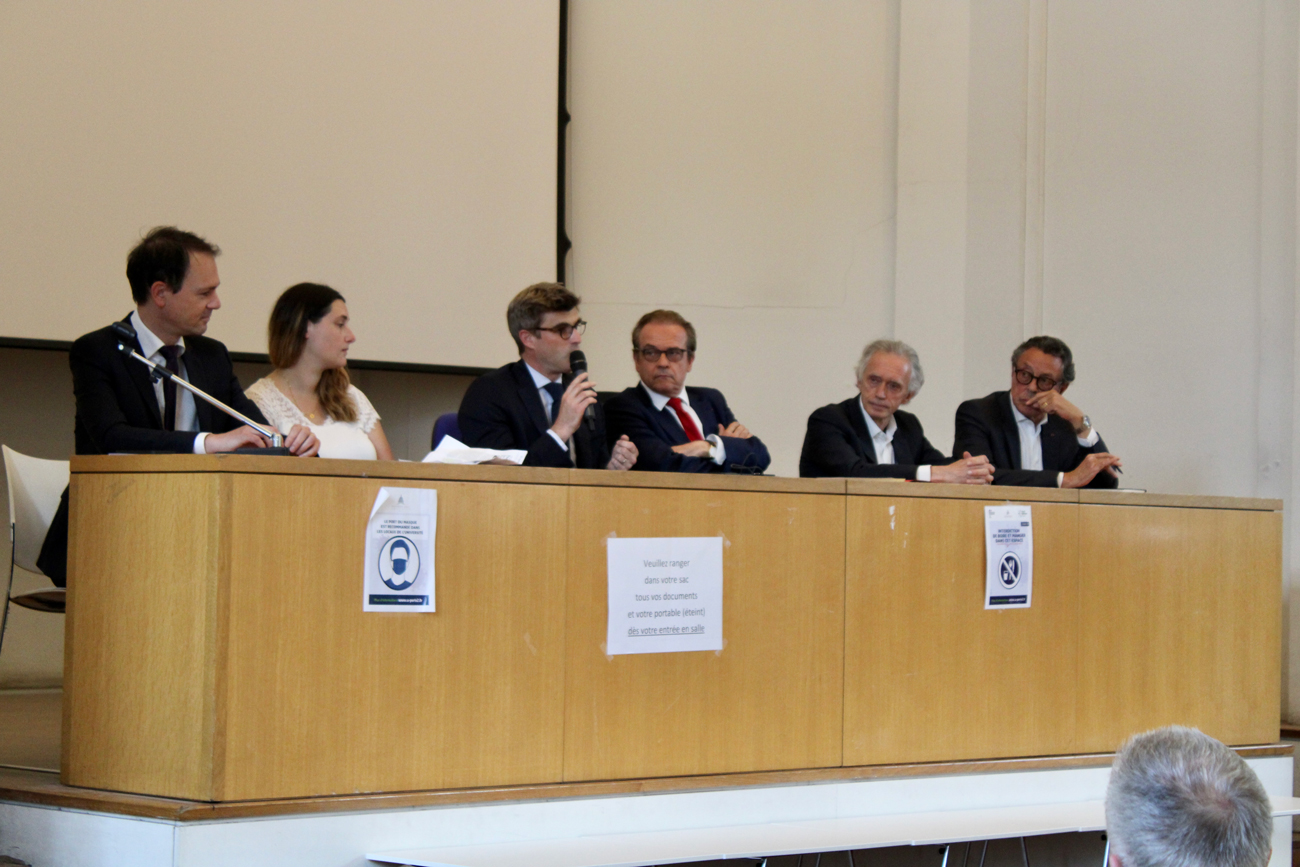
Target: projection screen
x=402 y=152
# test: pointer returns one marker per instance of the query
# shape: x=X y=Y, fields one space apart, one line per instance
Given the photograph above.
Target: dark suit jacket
x=117 y=410
x=838 y=444
x=655 y=433
x=987 y=427
x=502 y=410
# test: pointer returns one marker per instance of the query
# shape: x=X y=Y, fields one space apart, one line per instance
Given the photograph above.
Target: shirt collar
x=660 y=401
x=540 y=380
x=1021 y=418
x=874 y=429
x=149 y=342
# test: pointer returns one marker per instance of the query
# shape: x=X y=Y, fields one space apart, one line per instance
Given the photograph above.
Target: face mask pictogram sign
x=400 y=539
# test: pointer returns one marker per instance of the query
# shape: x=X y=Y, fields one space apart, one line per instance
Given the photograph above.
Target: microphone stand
x=157 y=373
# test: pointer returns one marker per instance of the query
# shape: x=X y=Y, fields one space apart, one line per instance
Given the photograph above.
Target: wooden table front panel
x=322 y=698
x=139 y=672
x=771 y=699
x=1180 y=622
x=929 y=674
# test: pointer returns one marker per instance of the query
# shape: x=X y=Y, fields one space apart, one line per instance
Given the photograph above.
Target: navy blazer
x=986 y=426
x=838 y=444
x=117 y=408
x=502 y=410
x=654 y=434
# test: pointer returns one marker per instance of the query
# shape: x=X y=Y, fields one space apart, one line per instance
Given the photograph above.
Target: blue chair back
x=446 y=425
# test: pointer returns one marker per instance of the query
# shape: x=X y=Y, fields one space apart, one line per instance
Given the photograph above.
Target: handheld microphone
x=577 y=365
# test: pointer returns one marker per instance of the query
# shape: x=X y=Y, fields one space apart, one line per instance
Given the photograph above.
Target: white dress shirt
x=541 y=380
x=717 y=449
x=1031 y=441
x=883 y=442
x=150 y=345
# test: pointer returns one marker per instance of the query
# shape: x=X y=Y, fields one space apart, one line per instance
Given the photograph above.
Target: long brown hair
x=298 y=306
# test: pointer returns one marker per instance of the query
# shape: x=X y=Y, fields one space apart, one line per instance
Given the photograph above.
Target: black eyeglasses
x=1024 y=377
x=565 y=329
x=652 y=353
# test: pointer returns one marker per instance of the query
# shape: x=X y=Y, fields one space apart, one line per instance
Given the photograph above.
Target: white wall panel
x=735 y=161
x=1153 y=230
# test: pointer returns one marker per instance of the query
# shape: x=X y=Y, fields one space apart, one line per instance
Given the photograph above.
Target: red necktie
x=688 y=424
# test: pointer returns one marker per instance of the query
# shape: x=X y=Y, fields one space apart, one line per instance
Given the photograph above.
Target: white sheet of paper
x=452 y=451
x=1008 y=557
x=400 y=537
x=665 y=595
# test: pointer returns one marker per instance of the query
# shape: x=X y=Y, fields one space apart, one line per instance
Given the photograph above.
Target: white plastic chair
x=35 y=487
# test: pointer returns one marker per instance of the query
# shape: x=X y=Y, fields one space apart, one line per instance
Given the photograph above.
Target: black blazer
x=502 y=410
x=655 y=433
x=838 y=444
x=987 y=427
x=117 y=410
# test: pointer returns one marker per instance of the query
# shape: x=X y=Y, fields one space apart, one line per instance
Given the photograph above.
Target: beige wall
x=799 y=179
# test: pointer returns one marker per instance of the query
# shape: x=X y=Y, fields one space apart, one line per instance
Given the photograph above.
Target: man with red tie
x=677 y=428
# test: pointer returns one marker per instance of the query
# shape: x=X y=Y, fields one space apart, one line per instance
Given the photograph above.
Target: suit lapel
x=531 y=399
x=197 y=374
x=139 y=376
x=853 y=411
x=1010 y=430
x=703 y=410
x=904 y=448
x=1055 y=444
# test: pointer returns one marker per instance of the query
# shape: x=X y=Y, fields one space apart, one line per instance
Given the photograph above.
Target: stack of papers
x=452 y=451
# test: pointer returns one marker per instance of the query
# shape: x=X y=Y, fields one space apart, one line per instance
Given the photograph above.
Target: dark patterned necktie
x=556 y=391
x=172 y=354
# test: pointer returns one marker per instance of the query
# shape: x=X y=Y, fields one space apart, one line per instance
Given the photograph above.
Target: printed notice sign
x=665 y=595
x=399 y=551
x=1008 y=556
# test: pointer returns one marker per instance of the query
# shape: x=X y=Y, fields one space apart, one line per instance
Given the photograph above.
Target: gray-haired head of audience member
x=1179 y=798
x=893 y=347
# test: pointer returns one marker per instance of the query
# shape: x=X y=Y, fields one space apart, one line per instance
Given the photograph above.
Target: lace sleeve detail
x=277 y=408
x=367 y=418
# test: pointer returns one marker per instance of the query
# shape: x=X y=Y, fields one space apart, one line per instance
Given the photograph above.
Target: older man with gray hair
x=1179 y=798
x=868 y=435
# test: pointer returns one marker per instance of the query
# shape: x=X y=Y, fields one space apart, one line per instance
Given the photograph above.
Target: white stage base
x=533 y=833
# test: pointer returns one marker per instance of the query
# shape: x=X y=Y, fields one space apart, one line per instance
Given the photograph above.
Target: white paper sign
x=665 y=595
x=400 y=540
x=1008 y=556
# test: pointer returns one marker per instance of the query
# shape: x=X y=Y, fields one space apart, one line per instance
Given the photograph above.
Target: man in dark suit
x=173 y=277
x=869 y=436
x=528 y=405
x=1034 y=436
x=675 y=427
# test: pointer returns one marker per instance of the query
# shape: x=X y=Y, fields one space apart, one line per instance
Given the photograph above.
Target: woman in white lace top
x=309 y=338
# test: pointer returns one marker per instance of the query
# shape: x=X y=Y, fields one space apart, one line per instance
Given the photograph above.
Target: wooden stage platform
x=341 y=829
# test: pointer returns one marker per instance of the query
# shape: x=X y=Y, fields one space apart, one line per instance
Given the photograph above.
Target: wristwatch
x=1087 y=426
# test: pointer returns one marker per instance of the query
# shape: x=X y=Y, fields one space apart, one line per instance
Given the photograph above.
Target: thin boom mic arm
x=126 y=337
